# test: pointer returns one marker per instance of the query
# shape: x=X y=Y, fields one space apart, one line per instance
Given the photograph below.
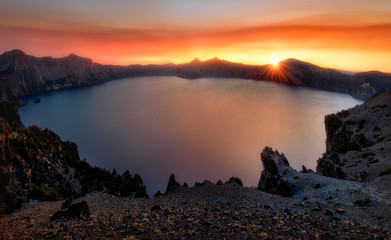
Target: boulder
x=67 y=203
x=75 y=211
x=271 y=176
x=306 y=170
x=158 y=194
x=327 y=166
x=235 y=181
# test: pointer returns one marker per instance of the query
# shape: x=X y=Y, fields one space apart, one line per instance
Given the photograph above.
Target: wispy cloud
x=130 y=45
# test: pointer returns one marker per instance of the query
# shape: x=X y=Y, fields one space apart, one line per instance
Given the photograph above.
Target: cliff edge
x=358 y=144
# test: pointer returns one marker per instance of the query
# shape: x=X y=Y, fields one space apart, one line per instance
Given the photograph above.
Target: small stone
x=67 y=203
x=327 y=236
x=207 y=182
x=288 y=211
x=158 y=194
x=155 y=208
x=340 y=211
x=198 y=184
x=329 y=213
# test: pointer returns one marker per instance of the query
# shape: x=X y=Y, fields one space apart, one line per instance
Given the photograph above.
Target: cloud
x=105 y=43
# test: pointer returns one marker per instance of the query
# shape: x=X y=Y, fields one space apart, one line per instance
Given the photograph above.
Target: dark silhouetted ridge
x=23 y=75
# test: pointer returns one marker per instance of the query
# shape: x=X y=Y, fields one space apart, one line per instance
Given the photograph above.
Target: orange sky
x=353 y=35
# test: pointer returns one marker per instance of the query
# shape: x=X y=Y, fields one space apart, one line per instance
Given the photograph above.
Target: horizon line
x=348 y=72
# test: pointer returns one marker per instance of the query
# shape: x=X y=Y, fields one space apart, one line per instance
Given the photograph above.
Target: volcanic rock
x=271 y=176
x=235 y=181
x=75 y=211
x=172 y=184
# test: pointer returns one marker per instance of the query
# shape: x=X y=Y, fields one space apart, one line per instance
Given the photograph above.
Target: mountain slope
x=36 y=164
x=358 y=142
x=21 y=74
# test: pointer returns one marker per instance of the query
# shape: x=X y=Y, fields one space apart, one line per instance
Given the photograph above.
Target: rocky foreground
x=201 y=212
x=315 y=207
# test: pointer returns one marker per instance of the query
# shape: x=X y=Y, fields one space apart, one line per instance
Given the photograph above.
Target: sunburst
x=275 y=62
x=278 y=72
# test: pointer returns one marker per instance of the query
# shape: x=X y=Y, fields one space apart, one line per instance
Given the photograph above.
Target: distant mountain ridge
x=22 y=74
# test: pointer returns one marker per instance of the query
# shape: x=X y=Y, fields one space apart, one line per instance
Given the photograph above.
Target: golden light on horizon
x=275 y=61
x=358 y=41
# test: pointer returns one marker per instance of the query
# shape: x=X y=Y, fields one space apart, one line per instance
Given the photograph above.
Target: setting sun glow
x=334 y=34
x=275 y=62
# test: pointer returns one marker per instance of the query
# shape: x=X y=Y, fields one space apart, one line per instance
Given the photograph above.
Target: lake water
x=197 y=129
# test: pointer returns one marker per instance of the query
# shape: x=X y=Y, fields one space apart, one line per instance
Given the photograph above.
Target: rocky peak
x=15 y=52
x=272 y=158
x=297 y=63
x=195 y=60
x=15 y=58
x=75 y=58
x=215 y=60
x=172 y=184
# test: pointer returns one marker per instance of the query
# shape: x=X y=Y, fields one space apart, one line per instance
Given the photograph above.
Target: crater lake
x=211 y=128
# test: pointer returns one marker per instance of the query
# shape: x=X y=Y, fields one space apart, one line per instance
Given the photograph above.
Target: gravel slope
x=201 y=212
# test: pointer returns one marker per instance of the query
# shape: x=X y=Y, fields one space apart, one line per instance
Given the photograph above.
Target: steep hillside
x=359 y=142
x=36 y=164
x=22 y=75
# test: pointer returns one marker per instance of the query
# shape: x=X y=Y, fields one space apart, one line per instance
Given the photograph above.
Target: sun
x=275 y=61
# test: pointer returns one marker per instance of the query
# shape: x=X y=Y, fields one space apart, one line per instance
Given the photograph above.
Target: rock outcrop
x=358 y=141
x=271 y=176
x=367 y=84
x=339 y=138
x=328 y=166
x=235 y=181
x=172 y=184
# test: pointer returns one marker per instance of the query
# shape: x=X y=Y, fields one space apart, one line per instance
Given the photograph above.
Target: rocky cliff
x=21 y=74
x=36 y=164
x=358 y=141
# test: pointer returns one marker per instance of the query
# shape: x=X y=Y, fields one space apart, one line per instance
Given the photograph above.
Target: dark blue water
x=198 y=129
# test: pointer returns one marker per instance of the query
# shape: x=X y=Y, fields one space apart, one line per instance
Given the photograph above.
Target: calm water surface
x=198 y=129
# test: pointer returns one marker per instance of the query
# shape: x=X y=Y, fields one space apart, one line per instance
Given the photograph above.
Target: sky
x=353 y=35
